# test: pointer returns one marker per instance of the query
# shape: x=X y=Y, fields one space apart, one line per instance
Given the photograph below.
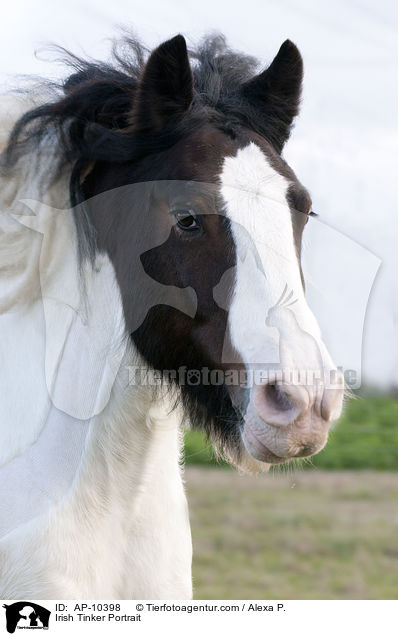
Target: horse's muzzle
x=288 y=421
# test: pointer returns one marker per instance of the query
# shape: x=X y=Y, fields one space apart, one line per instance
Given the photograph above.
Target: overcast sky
x=344 y=147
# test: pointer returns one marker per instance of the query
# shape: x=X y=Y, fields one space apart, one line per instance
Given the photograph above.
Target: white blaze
x=255 y=195
x=270 y=322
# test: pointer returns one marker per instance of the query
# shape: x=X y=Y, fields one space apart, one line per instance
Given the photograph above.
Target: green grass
x=366 y=437
x=304 y=535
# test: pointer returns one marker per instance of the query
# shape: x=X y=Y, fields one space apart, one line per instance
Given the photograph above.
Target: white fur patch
x=256 y=203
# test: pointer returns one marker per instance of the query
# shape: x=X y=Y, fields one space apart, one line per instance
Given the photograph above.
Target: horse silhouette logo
x=26 y=615
x=71 y=322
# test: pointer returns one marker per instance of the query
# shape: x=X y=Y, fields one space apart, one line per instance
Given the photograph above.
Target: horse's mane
x=89 y=112
x=90 y=109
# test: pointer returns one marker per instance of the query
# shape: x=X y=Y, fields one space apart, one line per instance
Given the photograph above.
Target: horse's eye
x=186 y=220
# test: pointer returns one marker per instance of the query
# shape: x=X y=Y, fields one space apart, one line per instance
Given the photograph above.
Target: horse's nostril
x=279 y=404
x=277 y=398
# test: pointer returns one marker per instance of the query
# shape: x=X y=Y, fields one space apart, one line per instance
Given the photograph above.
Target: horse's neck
x=128 y=504
x=121 y=529
x=131 y=458
x=97 y=436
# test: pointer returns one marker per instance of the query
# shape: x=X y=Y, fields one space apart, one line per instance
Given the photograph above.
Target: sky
x=344 y=147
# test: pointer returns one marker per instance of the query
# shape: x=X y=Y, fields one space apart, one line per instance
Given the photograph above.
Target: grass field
x=303 y=535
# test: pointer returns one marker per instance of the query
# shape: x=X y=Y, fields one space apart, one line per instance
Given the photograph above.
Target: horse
x=151 y=280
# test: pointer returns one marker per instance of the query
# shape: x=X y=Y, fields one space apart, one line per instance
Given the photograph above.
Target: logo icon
x=26 y=615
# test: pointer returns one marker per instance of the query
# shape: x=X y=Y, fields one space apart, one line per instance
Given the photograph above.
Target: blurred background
x=327 y=528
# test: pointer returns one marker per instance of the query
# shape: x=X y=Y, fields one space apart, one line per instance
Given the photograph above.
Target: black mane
x=92 y=106
x=91 y=111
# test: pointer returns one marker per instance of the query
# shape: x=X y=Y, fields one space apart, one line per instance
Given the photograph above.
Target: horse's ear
x=165 y=90
x=277 y=91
